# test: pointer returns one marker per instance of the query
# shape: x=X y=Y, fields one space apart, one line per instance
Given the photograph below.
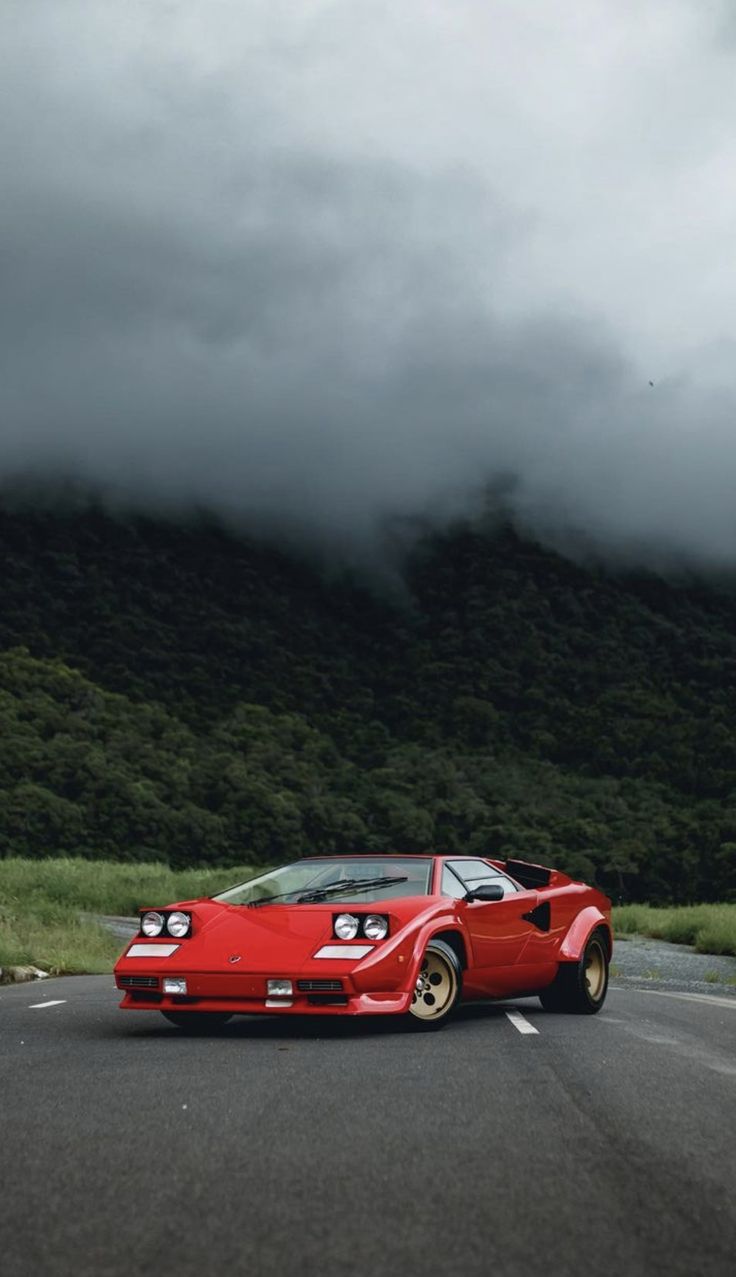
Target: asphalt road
x=287 y=1147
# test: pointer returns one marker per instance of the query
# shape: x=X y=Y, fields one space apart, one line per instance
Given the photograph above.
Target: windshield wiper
x=348 y=884
x=266 y=900
x=319 y=893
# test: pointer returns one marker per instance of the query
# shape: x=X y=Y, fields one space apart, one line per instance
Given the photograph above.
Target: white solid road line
x=520 y=1023
x=35 y=1006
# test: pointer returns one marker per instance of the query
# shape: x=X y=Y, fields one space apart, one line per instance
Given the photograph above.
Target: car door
x=497 y=929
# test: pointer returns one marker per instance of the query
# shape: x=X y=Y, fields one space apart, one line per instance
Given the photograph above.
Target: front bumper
x=244 y=994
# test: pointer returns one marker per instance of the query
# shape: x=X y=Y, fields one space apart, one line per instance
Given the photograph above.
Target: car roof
x=397 y=855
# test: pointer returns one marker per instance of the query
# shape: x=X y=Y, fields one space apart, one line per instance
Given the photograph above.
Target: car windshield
x=338 y=880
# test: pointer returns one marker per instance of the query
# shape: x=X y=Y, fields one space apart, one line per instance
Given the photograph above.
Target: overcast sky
x=327 y=262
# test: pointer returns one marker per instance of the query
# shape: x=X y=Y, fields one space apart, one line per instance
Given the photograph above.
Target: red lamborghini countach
x=367 y=935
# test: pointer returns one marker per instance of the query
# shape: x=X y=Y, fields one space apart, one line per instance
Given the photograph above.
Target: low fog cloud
x=321 y=264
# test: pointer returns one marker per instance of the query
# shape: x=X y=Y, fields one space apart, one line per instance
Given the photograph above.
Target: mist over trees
x=177 y=693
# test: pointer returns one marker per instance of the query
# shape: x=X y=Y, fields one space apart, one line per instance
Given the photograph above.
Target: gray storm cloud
x=321 y=264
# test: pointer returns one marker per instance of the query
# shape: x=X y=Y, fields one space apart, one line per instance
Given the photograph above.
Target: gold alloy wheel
x=595 y=971
x=436 y=987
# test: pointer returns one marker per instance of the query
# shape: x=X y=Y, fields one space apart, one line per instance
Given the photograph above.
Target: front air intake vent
x=319 y=986
x=138 y=981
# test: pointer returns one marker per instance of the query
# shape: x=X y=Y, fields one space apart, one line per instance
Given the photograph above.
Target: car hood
x=261 y=939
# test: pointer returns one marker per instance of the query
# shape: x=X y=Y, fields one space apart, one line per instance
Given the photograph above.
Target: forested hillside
x=177 y=693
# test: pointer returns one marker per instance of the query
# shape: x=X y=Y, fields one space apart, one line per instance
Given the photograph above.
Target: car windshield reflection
x=338 y=880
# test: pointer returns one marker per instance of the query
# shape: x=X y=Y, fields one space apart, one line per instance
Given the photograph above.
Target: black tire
x=197 y=1021
x=580 y=987
x=440 y=972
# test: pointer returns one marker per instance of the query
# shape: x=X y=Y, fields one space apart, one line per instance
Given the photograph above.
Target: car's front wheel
x=437 y=989
x=580 y=987
x=197 y=1021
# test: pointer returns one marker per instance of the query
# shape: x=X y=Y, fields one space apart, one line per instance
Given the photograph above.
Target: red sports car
x=367 y=935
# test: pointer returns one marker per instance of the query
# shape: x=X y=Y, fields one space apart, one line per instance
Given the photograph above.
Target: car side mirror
x=486 y=891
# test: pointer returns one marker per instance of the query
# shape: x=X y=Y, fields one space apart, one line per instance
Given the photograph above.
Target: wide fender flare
x=437 y=926
x=587 y=921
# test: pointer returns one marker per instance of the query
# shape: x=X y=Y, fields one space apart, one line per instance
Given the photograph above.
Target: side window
x=451 y=884
x=473 y=872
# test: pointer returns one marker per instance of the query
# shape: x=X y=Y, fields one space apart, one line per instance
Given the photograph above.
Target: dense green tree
x=179 y=692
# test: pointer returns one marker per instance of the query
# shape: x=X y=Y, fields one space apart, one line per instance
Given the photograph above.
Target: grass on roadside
x=709 y=928
x=41 y=902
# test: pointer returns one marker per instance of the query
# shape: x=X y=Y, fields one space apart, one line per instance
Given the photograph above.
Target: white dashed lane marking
x=35 y=1006
x=520 y=1023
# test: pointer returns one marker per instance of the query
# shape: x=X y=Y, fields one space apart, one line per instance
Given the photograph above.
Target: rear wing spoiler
x=528 y=875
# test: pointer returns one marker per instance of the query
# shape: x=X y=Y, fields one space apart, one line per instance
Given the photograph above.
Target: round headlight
x=178 y=924
x=152 y=924
x=346 y=926
x=375 y=927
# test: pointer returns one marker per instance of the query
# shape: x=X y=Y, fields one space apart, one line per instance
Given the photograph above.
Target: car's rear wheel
x=438 y=984
x=197 y=1021
x=580 y=987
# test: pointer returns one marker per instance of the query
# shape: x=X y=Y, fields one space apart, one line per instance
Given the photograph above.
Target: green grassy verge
x=41 y=902
x=710 y=928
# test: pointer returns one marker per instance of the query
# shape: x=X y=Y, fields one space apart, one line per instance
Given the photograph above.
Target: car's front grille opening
x=138 y=981
x=319 y=986
x=327 y=1000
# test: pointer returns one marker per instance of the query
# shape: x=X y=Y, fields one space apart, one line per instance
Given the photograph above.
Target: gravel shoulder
x=123 y=928
x=646 y=963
